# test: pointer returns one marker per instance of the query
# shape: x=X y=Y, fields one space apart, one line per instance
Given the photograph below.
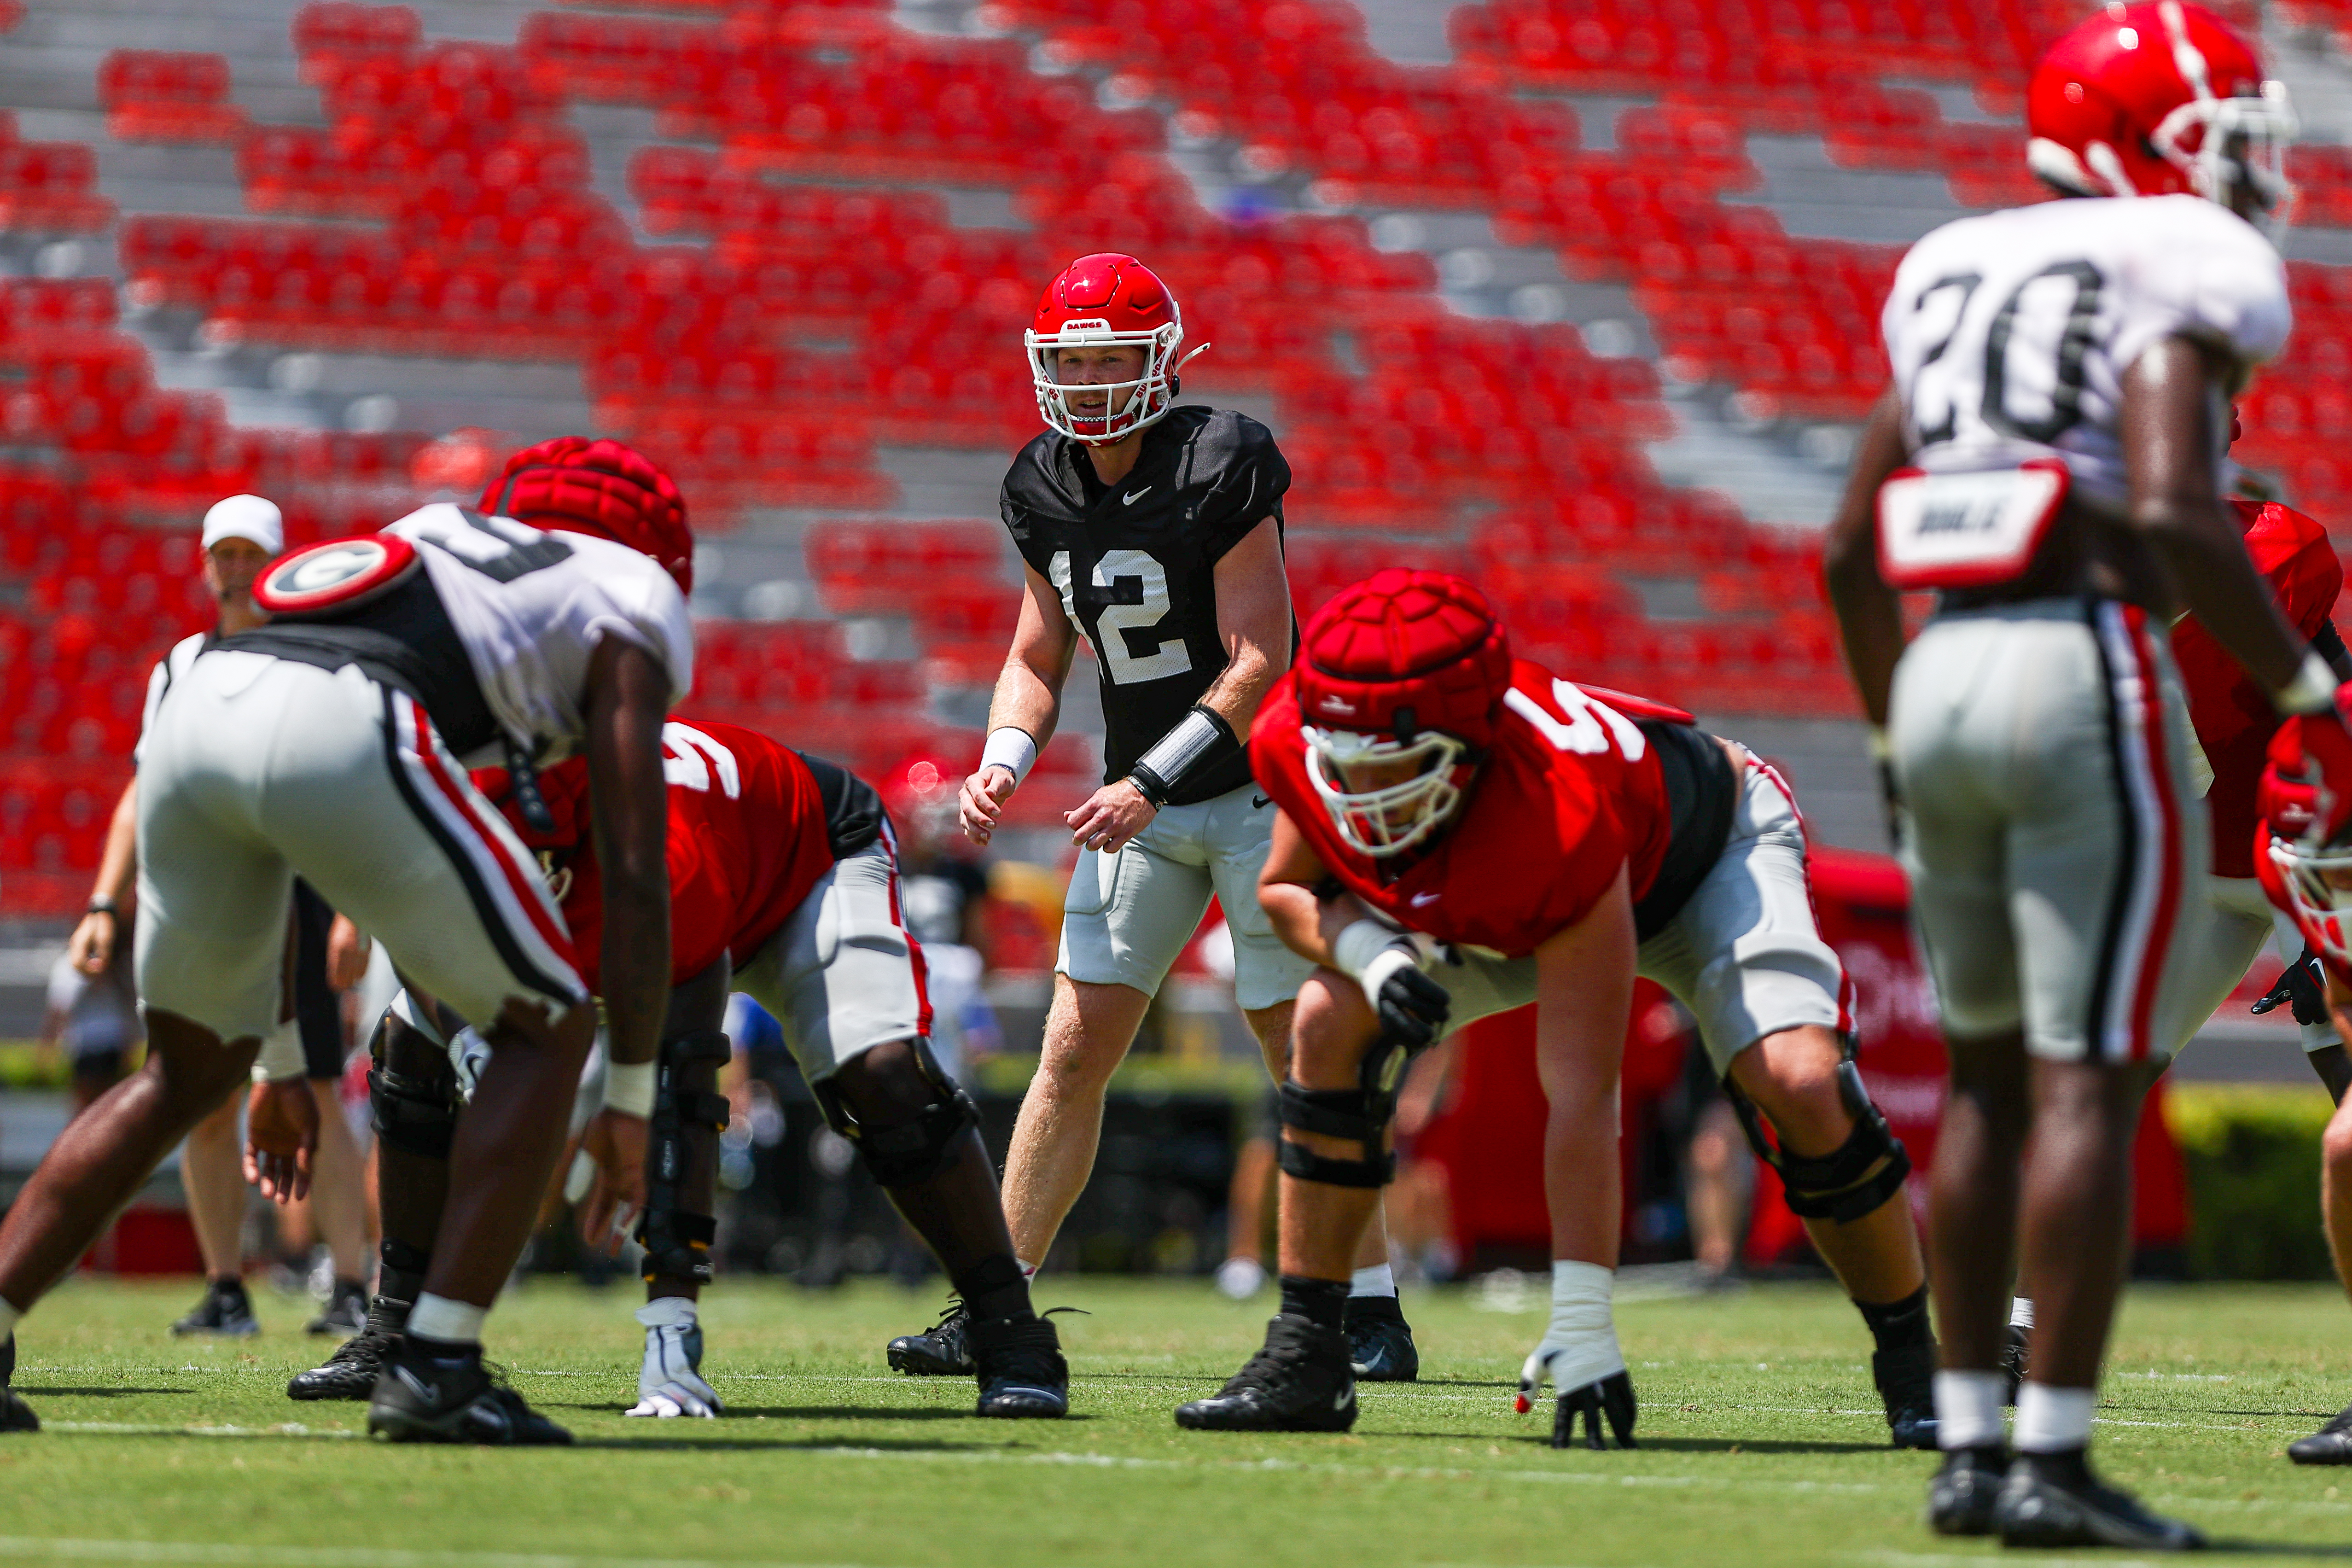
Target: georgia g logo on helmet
x=1399 y=680
x=2161 y=98
x=1108 y=301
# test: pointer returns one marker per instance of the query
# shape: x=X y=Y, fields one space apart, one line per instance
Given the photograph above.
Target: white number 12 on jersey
x=1168 y=657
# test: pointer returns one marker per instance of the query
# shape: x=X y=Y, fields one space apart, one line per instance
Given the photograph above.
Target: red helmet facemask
x=598 y=486
x=1399 y=678
x=1108 y=300
x=2158 y=98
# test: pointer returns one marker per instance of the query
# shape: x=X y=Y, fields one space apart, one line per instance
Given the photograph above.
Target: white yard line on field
x=16 y=1548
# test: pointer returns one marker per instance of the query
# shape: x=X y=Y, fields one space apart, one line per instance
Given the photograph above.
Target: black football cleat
x=2053 y=1499
x=225 y=1309
x=2331 y=1445
x=1609 y=1399
x=1960 y=1500
x=939 y=1351
x=1906 y=1376
x=1380 y=1342
x=2013 y=1341
x=346 y=1311
x=453 y=1399
x=1019 y=1363
x=1300 y=1382
x=350 y=1373
x=15 y=1415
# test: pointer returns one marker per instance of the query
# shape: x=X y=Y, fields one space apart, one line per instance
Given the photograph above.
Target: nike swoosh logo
x=428 y=1397
x=1339 y=1400
x=1421 y=899
x=1131 y=497
x=1260 y=802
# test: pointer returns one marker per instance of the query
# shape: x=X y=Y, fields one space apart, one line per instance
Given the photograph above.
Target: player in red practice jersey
x=2302 y=854
x=1462 y=834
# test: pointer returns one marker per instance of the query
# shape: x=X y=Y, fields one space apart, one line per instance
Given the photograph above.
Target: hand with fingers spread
x=282 y=1133
x=1580 y=1356
x=615 y=1142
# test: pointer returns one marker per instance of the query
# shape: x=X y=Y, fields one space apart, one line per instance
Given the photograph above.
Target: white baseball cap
x=248 y=518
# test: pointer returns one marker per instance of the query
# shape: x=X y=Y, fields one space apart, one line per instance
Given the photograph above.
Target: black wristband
x=102 y=906
x=1199 y=742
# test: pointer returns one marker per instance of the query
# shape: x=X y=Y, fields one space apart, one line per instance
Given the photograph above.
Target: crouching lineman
x=327 y=744
x=789 y=861
x=785 y=863
x=1462 y=834
x=2302 y=853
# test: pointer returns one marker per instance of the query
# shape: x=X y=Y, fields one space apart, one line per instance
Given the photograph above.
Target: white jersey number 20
x=1168 y=657
x=2031 y=348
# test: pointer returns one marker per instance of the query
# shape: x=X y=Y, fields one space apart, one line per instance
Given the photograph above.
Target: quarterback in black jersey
x=1154 y=531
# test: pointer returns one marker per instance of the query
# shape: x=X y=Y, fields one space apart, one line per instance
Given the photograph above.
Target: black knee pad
x=1362 y=1113
x=905 y=1153
x=688 y=1110
x=1862 y=1173
x=414 y=1107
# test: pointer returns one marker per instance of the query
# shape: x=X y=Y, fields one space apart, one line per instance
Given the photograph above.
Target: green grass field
x=1762 y=1443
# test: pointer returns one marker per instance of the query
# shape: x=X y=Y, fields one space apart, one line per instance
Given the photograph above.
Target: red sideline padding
x=147 y=1240
x=1490 y=1135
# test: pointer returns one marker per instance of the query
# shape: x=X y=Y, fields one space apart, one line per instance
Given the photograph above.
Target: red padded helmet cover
x=1404 y=651
x=598 y=486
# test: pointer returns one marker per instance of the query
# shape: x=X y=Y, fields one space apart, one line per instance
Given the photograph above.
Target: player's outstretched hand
x=281 y=1134
x=615 y=1142
x=1111 y=816
x=982 y=800
x=1610 y=1396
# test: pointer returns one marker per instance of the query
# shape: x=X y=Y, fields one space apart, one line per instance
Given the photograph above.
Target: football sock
x=1028 y=1269
x=2020 y=1312
x=1321 y=1303
x=1967 y=1409
x=448 y=1352
x=1380 y=1280
x=994 y=1288
x=1894 y=1324
x=400 y=1270
x=439 y=1317
x=9 y=1318
x=2053 y=1420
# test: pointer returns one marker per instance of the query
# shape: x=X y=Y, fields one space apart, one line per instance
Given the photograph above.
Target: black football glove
x=1610 y=1396
x=2302 y=986
x=1413 y=1009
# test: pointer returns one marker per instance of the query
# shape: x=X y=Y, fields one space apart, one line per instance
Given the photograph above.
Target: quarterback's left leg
x=1843 y=1171
x=681 y=1188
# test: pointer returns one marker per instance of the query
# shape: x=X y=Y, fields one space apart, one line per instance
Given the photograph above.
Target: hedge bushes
x=2253 y=1155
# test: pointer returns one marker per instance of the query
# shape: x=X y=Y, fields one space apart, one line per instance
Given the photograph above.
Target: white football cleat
x=670 y=1382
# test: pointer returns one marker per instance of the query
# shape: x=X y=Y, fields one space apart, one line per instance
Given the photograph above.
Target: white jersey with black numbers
x=168 y=670
x=2011 y=334
x=531 y=607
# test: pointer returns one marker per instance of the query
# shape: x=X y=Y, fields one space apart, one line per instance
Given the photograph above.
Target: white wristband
x=1013 y=749
x=282 y=1055
x=1358 y=944
x=2313 y=689
x=629 y=1087
x=1368 y=952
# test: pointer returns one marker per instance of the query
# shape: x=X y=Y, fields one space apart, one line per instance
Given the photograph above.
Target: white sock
x=1028 y=1269
x=1967 y=1409
x=2054 y=1420
x=9 y=1318
x=439 y=1317
x=2021 y=1311
x=667 y=1313
x=1380 y=1280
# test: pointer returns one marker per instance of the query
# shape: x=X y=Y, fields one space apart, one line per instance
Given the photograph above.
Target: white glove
x=1579 y=1353
x=670 y=1382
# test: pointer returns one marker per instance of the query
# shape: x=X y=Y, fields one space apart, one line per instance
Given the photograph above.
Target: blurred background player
x=943 y=893
x=327 y=741
x=1460 y=835
x=1154 y=531
x=2055 y=473
x=92 y=1019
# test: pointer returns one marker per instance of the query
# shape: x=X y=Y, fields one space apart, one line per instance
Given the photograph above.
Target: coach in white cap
x=242 y=535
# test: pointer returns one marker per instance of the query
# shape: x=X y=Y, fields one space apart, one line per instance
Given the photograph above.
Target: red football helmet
x=2305 y=854
x=598 y=486
x=1103 y=302
x=2157 y=98
x=1399 y=678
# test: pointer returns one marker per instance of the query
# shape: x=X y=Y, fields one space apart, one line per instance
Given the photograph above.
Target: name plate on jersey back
x=1968 y=529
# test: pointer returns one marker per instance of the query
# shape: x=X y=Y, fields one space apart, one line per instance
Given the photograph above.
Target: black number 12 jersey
x=1135 y=563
